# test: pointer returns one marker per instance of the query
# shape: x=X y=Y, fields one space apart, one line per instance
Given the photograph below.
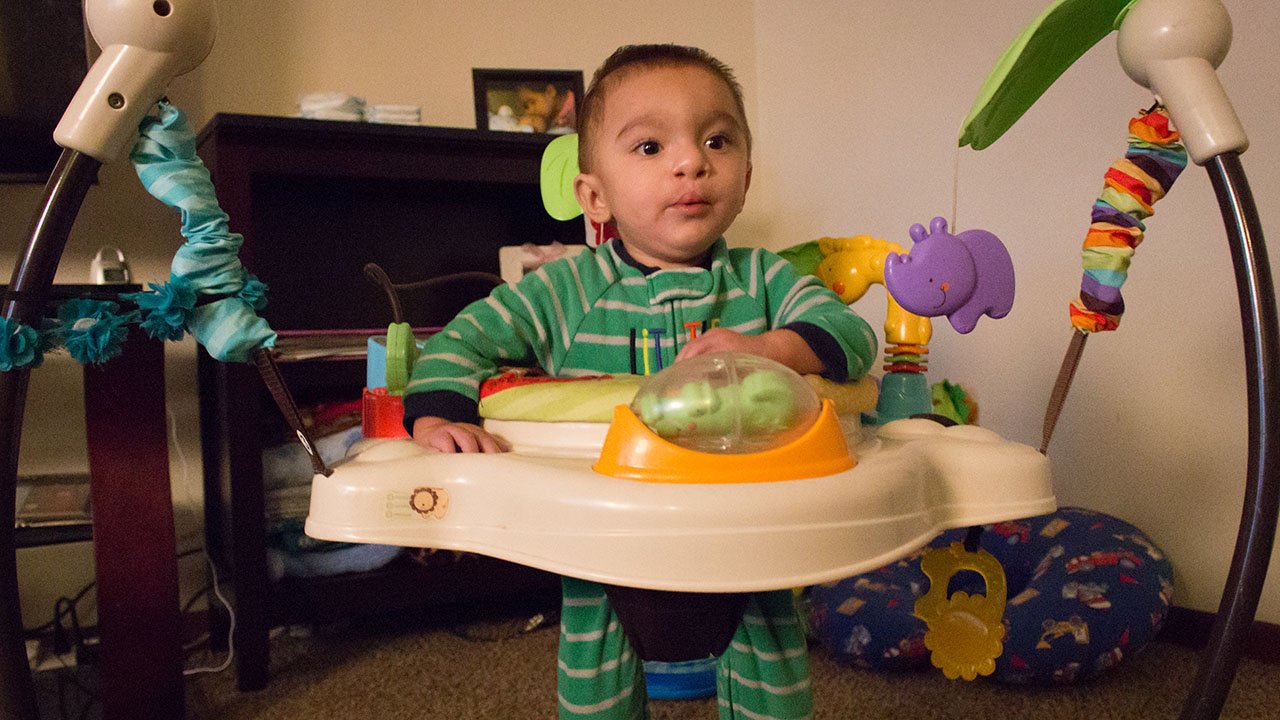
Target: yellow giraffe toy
x=850 y=266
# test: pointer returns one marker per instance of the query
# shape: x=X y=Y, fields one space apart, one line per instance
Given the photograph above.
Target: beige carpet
x=491 y=669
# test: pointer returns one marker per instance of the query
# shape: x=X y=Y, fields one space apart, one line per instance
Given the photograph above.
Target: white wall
x=856 y=108
x=415 y=52
x=266 y=56
x=860 y=107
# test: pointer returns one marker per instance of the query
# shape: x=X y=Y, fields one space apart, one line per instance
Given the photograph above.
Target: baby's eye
x=717 y=142
x=648 y=147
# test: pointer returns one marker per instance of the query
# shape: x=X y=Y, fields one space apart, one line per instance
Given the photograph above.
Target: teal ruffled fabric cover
x=166 y=161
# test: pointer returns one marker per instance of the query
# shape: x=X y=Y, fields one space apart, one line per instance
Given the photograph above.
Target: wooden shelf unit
x=315 y=201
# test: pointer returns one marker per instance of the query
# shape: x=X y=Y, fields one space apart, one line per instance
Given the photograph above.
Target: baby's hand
x=723 y=340
x=781 y=345
x=435 y=433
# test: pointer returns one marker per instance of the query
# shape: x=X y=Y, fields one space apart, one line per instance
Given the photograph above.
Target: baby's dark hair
x=632 y=56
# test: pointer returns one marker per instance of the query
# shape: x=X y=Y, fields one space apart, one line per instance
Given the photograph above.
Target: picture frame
x=533 y=101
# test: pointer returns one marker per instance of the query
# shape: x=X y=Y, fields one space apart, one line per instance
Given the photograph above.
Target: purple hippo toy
x=961 y=276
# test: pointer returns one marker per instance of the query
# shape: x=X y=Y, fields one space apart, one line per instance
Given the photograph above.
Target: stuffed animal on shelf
x=538 y=107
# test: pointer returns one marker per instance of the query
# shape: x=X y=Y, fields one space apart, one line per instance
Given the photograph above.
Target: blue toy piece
x=1086 y=590
x=685 y=680
x=961 y=276
x=903 y=395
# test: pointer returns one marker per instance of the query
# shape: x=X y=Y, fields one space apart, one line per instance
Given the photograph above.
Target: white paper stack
x=331 y=106
x=394 y=114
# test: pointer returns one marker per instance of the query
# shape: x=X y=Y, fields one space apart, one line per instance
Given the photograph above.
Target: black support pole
x=23 y=302
x=1231 y=626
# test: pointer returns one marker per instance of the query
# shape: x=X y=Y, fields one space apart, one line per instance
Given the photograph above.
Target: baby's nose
x=691 y=161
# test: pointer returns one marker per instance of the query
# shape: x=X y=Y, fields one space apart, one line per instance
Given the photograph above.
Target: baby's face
x=670 y=163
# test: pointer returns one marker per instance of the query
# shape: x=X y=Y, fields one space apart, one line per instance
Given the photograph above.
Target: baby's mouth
x=691 y=201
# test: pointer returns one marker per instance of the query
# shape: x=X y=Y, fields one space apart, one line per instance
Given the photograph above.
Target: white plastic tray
x=913 y=479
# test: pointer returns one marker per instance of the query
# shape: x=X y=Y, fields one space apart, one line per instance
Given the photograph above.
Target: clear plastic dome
x=727 y=402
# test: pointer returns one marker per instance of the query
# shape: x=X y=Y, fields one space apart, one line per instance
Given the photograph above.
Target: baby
x=665 y=157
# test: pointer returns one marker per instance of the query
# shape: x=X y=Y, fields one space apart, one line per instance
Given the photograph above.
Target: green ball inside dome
x=727 y=402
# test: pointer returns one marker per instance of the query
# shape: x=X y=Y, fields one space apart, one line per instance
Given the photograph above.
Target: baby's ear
x=591 y=197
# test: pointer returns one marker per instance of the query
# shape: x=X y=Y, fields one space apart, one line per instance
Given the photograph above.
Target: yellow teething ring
x=965 y=631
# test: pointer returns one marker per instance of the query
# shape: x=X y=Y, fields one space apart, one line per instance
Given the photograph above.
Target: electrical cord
x=231 y=629
x=74 y=600
x=186 y=608
x=56 y=618
x=63 y=644
x=213 y=570
x=67 y=681
x=69 y=678
x=65 y=684
x=67 y=639
x=66 y=607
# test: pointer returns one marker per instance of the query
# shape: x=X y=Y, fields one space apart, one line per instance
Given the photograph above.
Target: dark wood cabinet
x=315 y=201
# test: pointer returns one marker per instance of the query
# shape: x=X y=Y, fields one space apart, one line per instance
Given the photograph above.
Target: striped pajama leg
x=600 y=678
x=764 y=673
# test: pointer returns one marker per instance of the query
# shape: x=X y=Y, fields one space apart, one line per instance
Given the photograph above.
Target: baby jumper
x=603 y=312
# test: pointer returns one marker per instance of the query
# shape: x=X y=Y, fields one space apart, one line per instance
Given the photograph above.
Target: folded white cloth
x=395 y=114
x=342 y=106
x=331 y=115
x=331 y=106
x=396 y=109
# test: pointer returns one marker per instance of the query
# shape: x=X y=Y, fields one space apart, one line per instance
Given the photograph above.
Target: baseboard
x=1191 y=628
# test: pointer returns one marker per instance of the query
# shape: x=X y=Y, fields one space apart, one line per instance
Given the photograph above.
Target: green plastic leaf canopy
x=1035 y=59
x=559 y=168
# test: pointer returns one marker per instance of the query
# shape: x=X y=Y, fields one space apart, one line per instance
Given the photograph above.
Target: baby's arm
x=437 y=433
x=781 y=345
x=440 y=404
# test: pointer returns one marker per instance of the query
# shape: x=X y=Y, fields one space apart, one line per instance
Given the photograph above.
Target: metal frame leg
x=32 y=277
x=1230 y=632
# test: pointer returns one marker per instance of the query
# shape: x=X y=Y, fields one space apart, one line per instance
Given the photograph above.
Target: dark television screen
x=42 y=61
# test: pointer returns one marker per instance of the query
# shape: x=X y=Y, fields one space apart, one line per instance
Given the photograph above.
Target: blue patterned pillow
x=1086 y=590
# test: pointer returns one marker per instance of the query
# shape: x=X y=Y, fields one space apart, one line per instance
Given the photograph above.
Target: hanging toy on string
x=961 y=625
x=966 y=632
x=209 y=293
x=1132 y=185
x=1044 y=50
x=963 y=276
